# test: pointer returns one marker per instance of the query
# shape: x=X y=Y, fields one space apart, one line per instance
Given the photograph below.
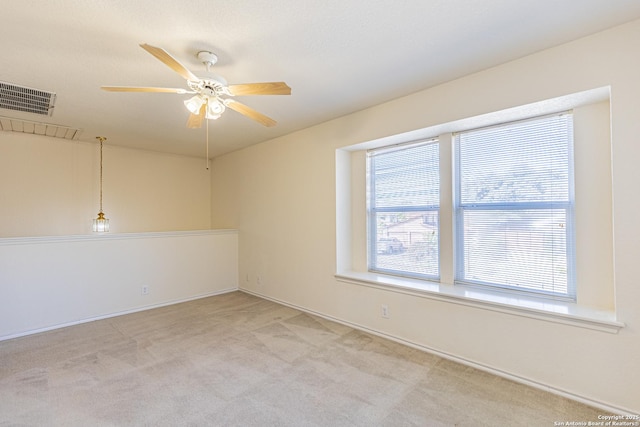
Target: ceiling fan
x=211 y=90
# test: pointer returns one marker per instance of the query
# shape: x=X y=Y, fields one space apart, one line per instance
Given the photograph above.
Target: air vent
x=10 y=124
x=20 y=98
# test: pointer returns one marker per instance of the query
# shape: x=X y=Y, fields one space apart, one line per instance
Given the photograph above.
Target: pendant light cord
x=101 y=138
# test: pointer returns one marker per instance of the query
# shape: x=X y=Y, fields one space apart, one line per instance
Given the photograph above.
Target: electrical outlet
x=384 y=312
x=144 y=290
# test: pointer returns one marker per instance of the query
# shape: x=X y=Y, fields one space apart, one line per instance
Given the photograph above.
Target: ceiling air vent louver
x=20 y=98
x=10 y=124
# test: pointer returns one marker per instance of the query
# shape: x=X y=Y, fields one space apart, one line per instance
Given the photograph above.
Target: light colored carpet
x=238 y=360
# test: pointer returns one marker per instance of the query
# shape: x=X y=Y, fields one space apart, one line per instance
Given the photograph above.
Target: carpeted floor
x=238 y=360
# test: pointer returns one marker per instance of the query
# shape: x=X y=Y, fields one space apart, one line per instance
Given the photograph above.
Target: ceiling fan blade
x=170 y=61
x=195 y=120
x=270 y=88
x=143 y=89
x=249 y=112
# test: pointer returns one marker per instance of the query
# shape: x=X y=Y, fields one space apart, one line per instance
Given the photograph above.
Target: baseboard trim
x=519 y=379
x=118 y=313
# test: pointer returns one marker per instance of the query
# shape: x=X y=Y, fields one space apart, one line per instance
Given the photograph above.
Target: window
x=514 y=206
x=403 y=209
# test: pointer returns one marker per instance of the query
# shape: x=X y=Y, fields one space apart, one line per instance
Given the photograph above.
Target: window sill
x=548 y=310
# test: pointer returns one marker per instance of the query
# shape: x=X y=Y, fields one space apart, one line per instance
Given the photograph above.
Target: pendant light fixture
x=101 y=224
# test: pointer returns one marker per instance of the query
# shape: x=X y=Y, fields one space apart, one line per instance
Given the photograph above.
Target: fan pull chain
x=207 y=149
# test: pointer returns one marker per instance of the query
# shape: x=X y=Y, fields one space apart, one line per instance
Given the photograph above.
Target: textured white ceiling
x=338 y=56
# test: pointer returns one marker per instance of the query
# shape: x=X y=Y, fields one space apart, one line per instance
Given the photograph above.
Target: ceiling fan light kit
x=213 y=107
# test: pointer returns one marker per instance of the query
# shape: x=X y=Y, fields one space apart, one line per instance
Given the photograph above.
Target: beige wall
x=50 y=187
x=281 y=195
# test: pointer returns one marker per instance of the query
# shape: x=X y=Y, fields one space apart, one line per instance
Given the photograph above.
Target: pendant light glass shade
x=215 y=108
x=194 y=104
x=101 y=224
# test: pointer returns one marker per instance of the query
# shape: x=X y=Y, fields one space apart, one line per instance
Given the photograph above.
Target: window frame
x=568 y=206
x=373 y=211
x=457 y=222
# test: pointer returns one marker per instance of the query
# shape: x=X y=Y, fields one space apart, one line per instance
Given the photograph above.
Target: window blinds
x=404 y=198
x=514 y=206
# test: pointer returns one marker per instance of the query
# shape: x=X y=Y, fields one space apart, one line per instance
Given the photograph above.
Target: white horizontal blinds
x=404 y=197
x=524 y=249
x=514 y=206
